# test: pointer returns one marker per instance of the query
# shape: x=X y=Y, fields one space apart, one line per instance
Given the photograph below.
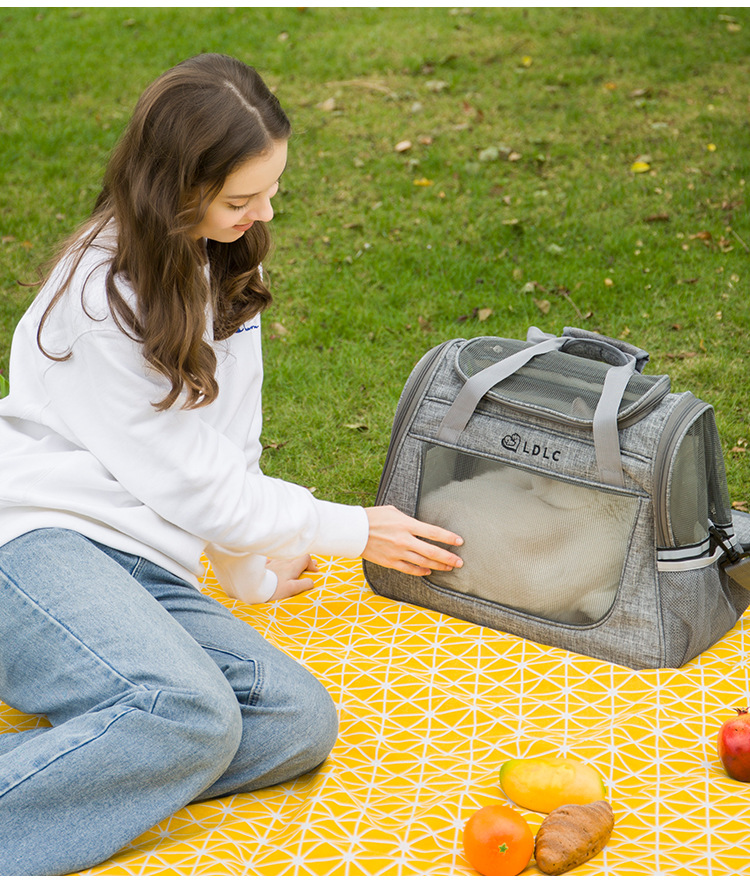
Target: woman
x=131 y=447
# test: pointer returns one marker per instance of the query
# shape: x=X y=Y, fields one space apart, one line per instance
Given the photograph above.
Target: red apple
x=734 y=745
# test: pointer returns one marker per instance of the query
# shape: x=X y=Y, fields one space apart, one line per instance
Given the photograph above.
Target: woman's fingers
x=290 y=575
x=437 y=534
x=399 y=542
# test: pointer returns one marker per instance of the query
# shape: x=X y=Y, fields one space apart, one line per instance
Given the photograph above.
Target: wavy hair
x=191 y=128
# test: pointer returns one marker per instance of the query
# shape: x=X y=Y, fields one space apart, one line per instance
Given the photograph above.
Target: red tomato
x=498 y=841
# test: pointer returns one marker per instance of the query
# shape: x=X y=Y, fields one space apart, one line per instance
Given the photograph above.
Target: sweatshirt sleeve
x=243 y=576
x=180 y=466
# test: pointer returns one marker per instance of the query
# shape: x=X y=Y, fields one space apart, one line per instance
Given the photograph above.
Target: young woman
x=130 y=447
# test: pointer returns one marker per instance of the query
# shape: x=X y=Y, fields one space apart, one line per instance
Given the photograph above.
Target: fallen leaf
x=275 y=445
x=530 y=287
x=610 y=86
x=740 y=505
x=278 y=329
x=608 y=282
x=514 y=157
x=639 y=167
x=423 y=182
x=6 y=240
x=738 y=450
x=680 y=356
x=424 y=323
x=656 y=218
x=403 y=146
x=489 y=154
x=425 y=139
x=527 y=61
x=436 y=85
x=357 y=427
x=704 y=236
x=328 y=105
x=543 y=306
x=484 y=314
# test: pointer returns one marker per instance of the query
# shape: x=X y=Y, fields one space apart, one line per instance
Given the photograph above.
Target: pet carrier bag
x=592 y=501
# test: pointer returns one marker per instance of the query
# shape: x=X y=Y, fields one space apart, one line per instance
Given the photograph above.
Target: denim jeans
x=157 y=695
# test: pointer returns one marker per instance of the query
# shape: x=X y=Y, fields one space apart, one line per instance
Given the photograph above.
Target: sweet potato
x=571 y=835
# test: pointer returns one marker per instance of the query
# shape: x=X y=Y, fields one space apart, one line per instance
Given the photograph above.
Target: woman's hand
x=398 y=542
x=289 y=573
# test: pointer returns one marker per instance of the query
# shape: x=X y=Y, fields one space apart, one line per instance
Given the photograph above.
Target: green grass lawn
x=453 y=173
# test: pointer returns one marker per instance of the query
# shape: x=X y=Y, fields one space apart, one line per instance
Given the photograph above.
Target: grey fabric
x=514 y=460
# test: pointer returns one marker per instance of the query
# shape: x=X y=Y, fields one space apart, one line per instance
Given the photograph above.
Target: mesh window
x=532 y=543
x=697 y=484
x=559 y=382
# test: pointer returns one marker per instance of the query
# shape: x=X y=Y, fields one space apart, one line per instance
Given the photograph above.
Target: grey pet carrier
x=592 y=500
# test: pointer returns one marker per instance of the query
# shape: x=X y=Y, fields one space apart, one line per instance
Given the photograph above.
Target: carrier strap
x=606 y=436
x=476 y=387
x=604 y=428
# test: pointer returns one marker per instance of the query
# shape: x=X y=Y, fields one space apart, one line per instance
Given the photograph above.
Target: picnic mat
x=429 y=708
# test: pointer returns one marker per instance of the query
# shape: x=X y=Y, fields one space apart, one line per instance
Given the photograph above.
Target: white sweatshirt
x=83 y=448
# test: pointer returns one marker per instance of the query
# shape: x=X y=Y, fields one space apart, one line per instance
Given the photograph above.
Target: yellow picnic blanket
x=430 y=707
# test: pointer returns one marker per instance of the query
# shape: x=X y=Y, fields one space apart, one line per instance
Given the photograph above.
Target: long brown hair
x=191 y=128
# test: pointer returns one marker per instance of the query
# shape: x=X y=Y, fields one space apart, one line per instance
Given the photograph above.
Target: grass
x=516 y=204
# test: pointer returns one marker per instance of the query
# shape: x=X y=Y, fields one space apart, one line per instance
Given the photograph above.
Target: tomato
x=498 y=841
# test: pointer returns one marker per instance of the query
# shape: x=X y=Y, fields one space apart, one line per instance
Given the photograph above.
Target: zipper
x=408 y=402
x=681 y=418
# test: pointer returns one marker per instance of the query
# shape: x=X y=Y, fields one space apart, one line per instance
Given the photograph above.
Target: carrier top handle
x=606 y=438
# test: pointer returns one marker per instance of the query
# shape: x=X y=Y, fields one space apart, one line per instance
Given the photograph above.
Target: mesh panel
x=695 y=612
x=697 y=484
x=532 y=543
x=558 y=382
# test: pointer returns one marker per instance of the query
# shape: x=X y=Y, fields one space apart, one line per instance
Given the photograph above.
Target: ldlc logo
x=516 y=444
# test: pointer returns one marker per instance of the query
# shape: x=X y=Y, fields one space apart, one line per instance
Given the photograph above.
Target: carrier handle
x=606 y=437
x=594 y=340
x=589 y=344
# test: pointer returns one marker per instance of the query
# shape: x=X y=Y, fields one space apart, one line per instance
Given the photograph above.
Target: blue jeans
x=157 y=695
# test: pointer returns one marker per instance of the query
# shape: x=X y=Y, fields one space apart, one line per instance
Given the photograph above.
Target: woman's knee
x=283 y=700
x=313 y=718
x=205 y=721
